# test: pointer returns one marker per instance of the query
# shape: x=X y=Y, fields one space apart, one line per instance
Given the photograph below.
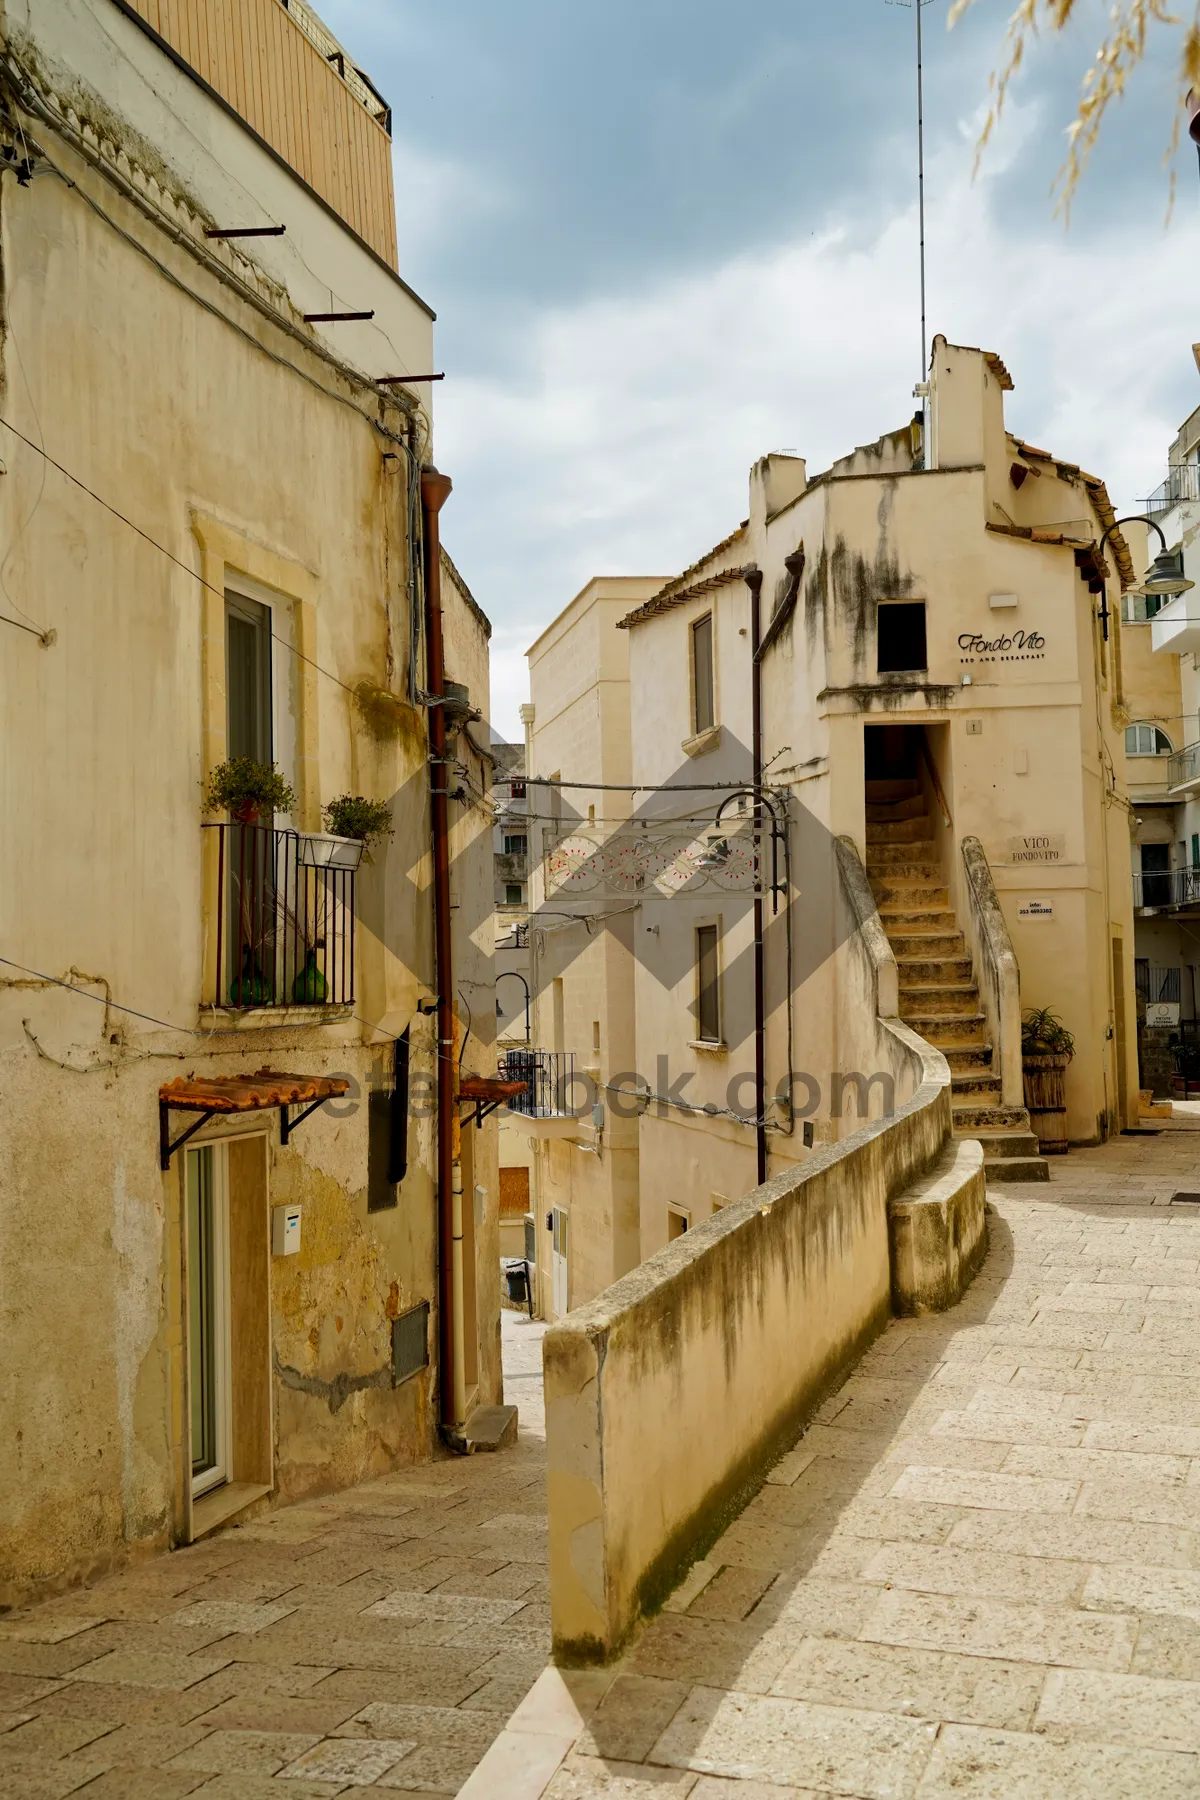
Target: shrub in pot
x=248 y=790
x=353 y=816
x=1046 y=1049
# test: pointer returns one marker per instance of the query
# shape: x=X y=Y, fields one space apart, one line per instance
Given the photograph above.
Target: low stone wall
x=668 y=1398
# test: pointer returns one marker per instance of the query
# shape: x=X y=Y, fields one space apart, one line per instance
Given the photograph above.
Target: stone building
x=906 y=658
x=220 y=544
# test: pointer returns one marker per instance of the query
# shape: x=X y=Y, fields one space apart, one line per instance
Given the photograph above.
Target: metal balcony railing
x=285 y=928
x=1184 y=767
x=1182 y=483
x=1162 y=888
x=1156 y=982
x=550 y=1082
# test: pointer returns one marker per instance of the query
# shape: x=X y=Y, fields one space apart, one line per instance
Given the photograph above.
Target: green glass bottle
x=309 y=987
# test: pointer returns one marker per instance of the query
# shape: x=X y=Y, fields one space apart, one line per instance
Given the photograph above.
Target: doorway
x=209 y=1315
x=229 y=1459
x=560 y=1253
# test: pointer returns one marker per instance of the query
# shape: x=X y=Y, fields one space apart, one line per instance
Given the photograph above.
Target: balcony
x=1183 y=769
x=285 y=927
x=282 y=71
x=1164 y=890
x=1182 y=483
x=553 y=1091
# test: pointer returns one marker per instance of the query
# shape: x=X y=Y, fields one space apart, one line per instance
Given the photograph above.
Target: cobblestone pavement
x=976 y=1575
x=379 y=1637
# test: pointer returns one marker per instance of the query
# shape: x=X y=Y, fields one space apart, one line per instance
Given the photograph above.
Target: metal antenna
x=918 y=7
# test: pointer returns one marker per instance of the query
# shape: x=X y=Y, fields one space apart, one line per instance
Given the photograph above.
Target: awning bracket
x=288 y=1125
x=167 y=1149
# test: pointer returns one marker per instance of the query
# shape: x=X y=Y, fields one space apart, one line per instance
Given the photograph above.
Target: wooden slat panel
x=258 y=59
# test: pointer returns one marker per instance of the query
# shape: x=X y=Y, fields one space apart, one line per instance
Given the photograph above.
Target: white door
x=558 y=1261
x=208 y=1315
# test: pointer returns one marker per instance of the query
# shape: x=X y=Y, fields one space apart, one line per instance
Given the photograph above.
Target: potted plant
x=352 y=825
x=1046 y=1049
x=248 y=790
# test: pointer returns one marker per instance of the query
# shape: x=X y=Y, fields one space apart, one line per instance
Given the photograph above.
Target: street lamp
x=517 y=975
x=1164 y=580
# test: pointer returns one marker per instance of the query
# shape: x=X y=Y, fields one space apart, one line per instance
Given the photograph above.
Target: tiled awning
x=224 y=1094
x=486 y=1092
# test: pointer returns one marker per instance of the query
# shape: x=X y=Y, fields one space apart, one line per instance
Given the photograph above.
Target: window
x=901 y=637
x=248 y=679
x=1196 y=849
x=515 y=843
x=517 y=788
x=512 y=893
x=704 y=711
x=708 y=986
x=208 y=1315
x=677 y=1224
x=1146 y=740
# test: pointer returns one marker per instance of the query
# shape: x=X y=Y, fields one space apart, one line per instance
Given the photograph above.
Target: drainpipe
x=435 y=491
x=754 y=580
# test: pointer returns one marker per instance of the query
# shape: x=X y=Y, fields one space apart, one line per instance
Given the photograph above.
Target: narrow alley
x=978 y=1573
x=379 y=1636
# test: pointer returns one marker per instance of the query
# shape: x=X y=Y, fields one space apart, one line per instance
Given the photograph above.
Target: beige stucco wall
x=246 y=459
x=579 y=687
x=749 y=1318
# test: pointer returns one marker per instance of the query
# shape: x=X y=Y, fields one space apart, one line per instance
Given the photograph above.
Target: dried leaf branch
x=1119 y=55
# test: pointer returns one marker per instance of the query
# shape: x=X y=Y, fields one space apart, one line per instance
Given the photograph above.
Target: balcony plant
x=1046 y=1049
x=248 y=790
x=355 y=819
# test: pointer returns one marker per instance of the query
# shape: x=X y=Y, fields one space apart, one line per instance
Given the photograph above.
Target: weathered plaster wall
x=749 y=1318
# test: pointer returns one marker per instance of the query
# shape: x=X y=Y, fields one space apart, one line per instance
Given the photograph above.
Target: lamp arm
x=1129 y=519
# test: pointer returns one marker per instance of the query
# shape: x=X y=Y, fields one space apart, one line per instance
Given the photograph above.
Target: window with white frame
x=1147 y=740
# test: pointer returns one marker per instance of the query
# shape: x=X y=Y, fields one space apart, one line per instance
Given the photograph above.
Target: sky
x=663 y=237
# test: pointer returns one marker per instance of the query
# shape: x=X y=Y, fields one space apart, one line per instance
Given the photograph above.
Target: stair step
x=902 y=788
x=933 y=971
x=917 y=830
x=944 y=1002
x=979 y=1086
x=966 y=1032
x=1005 y=1145
x=921 y=945
x=904 y=921
x=890 y=812
x=976 y=1115
x=902 y=855
x=1018 y=1168
x=968 y=1058
x=894 y=895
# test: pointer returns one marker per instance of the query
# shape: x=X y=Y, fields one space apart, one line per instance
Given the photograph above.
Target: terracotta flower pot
x=246 y=812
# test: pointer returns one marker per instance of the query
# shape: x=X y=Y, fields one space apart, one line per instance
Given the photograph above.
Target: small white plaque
x=1162 y=1012
x=1035 y=909
x=285 y=1231
x=1001 y=602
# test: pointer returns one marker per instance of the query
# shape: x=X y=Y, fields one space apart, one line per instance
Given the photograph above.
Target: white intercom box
x=285 y=1231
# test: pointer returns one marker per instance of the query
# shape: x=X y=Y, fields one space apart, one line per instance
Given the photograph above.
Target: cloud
x=619 y=439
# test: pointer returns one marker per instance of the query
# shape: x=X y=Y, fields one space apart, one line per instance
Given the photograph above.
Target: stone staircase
x=939 y=996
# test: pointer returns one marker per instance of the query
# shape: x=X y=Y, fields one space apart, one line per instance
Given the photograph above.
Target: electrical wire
x=161 y=548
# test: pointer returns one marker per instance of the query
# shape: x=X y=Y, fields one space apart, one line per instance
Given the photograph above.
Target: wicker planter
x=1046 y=1100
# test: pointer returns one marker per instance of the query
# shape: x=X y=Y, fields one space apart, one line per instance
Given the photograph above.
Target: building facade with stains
x=914 y=661
x=214 y=533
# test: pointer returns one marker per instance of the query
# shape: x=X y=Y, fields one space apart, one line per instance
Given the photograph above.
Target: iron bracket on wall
x=483 y=1109
x=167 y=1149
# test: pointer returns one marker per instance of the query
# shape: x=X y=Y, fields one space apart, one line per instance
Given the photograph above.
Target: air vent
x=410 y=1343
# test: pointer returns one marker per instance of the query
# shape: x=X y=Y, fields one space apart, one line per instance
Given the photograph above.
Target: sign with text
x=1006 y=646
x=1162 y=1012
x=1035 y=909
x=1036 y=847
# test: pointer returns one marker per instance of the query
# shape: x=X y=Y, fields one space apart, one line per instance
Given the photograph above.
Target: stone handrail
x=750 y=1318
x=857 y=890
x=996 y=967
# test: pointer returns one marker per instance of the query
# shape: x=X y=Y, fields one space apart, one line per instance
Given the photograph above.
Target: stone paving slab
x=378 y=1638
x=977 y=1574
